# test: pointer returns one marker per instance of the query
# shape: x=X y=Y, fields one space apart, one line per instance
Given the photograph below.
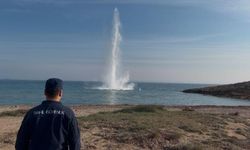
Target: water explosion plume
x=115 y=80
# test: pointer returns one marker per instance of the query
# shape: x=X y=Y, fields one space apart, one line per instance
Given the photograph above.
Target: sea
x=13 y=92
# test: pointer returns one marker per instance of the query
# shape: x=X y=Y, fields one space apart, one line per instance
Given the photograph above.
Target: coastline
x=92 y=135
x=237 y=90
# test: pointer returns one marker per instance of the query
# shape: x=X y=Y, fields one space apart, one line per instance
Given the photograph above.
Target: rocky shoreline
x=237 y=90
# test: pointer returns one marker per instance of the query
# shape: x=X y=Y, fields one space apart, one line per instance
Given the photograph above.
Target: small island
x=237 y=90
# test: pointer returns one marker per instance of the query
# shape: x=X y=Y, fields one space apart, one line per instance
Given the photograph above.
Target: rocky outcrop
x=238 y=90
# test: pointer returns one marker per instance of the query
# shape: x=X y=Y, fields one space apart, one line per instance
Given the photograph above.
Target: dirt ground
x=9 y=125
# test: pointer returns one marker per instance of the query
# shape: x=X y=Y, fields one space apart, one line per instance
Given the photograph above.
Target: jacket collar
x=48 y=101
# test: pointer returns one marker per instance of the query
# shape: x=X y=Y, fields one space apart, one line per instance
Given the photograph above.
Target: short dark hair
x=53 y=86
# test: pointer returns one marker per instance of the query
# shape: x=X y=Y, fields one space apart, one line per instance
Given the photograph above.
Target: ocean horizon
x=14 y=92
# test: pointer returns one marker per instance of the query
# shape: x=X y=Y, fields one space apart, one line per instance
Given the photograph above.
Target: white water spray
x=115 y=80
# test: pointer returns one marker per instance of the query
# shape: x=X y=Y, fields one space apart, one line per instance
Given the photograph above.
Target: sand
x=9 y=125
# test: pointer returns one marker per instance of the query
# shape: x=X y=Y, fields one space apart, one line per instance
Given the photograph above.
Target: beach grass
x=153 y=127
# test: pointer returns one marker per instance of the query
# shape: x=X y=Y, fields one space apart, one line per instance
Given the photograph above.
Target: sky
x=180 y=41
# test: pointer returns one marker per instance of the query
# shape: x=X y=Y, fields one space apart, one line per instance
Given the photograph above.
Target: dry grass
x=152 y=127
x=15 y=113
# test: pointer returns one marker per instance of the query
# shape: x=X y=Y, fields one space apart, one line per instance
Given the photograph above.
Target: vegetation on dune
x=156 y=127
x=141 y=108
x=15 y=113
x=153 y=127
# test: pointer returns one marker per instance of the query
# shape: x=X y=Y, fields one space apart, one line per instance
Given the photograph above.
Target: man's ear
x=61 y=93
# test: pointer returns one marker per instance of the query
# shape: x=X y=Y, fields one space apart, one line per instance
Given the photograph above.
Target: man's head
x=53 y=89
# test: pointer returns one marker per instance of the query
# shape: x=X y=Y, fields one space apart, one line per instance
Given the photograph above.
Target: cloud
x=220 y=5
x=235 y=6
x=174 y=40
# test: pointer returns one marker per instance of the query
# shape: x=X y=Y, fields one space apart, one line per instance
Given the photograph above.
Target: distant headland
x=238 y=90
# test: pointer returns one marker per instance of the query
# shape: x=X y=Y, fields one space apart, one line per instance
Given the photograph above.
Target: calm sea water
x=31 y=92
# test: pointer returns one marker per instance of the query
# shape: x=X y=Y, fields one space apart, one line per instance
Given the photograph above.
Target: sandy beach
x=232 y=121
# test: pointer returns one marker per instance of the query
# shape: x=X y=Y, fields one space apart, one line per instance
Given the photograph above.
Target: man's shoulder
x=68 y=111
x=31 y=110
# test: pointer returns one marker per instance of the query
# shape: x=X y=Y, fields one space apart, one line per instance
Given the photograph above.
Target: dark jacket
x=49 y=126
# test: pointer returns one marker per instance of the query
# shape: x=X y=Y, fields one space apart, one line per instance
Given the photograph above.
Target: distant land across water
x=238 y=90
x=13 y=92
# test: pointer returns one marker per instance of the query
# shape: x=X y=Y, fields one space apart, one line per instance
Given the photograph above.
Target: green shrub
x=142 y=108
